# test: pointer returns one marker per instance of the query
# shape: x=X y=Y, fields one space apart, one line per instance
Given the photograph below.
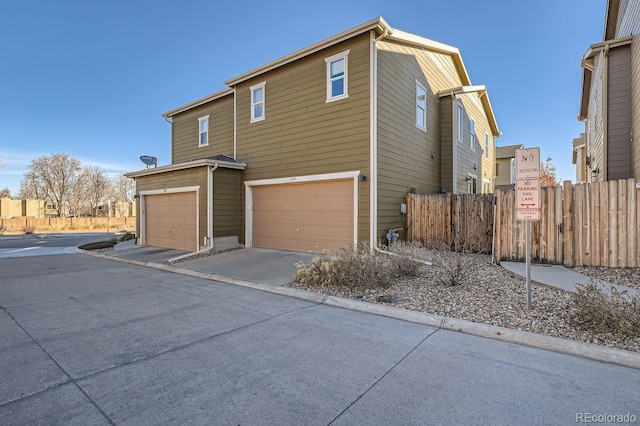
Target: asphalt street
x=47 y=244
x=87 y=340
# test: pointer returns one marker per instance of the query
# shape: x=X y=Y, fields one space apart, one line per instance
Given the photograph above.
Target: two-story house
x=505 y=166
x=319 y=148
x=610 y=99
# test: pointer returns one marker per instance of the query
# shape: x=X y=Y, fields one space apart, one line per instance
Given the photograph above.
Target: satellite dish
x=149 y=160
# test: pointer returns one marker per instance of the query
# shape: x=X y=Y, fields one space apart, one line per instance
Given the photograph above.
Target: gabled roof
x=611 y=19
x=198 y=102
x=382 y=29
x=507 y=151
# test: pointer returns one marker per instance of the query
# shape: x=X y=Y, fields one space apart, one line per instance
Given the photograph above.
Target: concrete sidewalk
x=558 y=276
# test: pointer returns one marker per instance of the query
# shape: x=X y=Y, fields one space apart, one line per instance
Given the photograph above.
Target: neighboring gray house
x=610 y=99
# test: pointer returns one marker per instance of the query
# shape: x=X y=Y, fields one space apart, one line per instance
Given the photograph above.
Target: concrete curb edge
x=540 y=341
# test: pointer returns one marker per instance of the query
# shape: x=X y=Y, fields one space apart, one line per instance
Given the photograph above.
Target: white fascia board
x=185 y=166
x=374 y=24
x=212 y=97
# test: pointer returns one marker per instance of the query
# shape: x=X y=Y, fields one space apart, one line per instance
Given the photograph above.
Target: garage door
x=313 y=217
x=170 y=221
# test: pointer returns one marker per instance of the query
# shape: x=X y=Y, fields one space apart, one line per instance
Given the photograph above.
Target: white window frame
x=472 y=134
x=201 y=120
x=460 y=120
x=345 y=77
x=423 y=125
x=253 y=89
x=486 y=145
x=472 y=181
x=486 y=185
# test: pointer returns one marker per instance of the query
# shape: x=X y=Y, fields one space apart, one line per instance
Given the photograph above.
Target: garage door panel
x=170 y=220
x=312 y=216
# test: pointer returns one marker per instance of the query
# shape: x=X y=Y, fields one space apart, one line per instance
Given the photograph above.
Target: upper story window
x=337 y=76
x=421 y=106
x=472 y=134
x=486 y=146
x=459 y=118
x=203 y=125
x=257 y=101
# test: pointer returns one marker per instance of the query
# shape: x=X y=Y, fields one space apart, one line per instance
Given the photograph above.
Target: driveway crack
x=70 y=379
x=381 y=377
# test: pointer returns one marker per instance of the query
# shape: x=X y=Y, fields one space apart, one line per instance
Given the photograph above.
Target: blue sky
x=90 y=79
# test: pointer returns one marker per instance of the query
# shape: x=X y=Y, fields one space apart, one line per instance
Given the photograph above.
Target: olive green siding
x=185 y=131
x=228 y=199
x=503 y=173
x=446 y=137
x=408 y=156
x=469 y=160
x=302 y=134
x=178 y=179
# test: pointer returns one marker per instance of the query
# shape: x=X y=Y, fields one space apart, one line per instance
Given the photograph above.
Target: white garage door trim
x=143 y=229
x=297 y=179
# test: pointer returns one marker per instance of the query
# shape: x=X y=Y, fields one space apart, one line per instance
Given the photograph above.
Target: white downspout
x=454 y=141
x=235 y=121
x=373 y=136
x=210 y=205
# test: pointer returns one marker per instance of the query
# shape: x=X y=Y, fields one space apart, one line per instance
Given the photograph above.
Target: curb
x=526 y=338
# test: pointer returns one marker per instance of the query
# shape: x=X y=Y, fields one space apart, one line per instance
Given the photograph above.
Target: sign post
x=528 y=200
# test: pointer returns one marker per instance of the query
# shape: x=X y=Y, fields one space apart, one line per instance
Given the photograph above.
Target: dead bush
x=606 y=310
x=404 y=259
x=353 y=267
x=454 y=267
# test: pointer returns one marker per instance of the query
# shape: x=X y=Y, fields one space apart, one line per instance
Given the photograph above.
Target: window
x=459 y=117
x=472 y=135
x=486 y=186
x=203 y=124
x=421 y=106
x=472 y=182
x=486 y=146
x=257 y=101
x=337 y=71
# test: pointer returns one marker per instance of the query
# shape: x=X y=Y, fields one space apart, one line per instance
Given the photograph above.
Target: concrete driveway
x=87 y=340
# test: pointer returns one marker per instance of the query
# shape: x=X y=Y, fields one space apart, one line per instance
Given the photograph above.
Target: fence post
x=567 y=223
x=497 y=229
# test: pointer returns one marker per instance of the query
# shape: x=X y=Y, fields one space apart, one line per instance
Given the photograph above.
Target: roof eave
x=378 y=24
x=186 y=165
x=212 y=97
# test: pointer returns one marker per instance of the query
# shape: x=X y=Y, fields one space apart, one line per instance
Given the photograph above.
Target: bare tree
x=78 y=193
x=97 y=187
x=124 y=189
x=5 y=192
x=52 y=178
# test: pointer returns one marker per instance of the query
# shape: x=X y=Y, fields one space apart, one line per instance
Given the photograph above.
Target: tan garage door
x=313 y=217
x=170 y=221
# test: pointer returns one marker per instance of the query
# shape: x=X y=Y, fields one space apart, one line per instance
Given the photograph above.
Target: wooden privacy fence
x=595 y=224
x=459 y=220
x=37 y=225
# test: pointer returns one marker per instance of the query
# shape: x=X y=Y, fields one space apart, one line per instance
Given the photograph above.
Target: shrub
x=404 y=259
x=100 y=245
x=455 y=267
x=127 y=236
x=29 y=229
x=603 y=310
x=353 y=267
